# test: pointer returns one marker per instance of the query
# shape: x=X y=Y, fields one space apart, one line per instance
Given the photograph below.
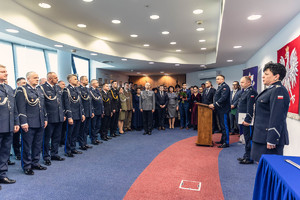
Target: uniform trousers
x=105 y=126
x=224 y=125
x=114 y=123
x=84 y=131
x=63 y=132
x=247 y=131
x=53 y=133
x=16 y=143
x=128 y=118
x=32 y=142
x=161 y=112
x=147 y=120
x=96 y=125
x=71 y=136
x=184 y=114
x=5 y=145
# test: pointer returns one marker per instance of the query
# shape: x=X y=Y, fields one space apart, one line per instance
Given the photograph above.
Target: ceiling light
x=162 y=72
x=177 y=64
x=172 y=43
x=237 y=46
x=165 y=32
x=134 y=35
x=88 y=0
x=154 y=17
x=198 y=12
x=166 y=74
x=59 y=45
x=131 y=70
x=146 y=45
x=178 y=50
x=115 y=21
x=229 y=60
x=44 y=5
x=151 y=63
x=94 y=54
x=203 y=48
x=12 y=30
x=202 y=40
x=124 y=59
x=81 y=25
x=200 y=29
x=145 y=74
x=138 y=72
x=254 y=17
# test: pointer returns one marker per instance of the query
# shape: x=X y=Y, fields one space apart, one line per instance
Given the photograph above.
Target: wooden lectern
x=205 y=117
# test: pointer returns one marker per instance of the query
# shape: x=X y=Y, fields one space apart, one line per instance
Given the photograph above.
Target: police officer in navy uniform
x=98 y=111
x=245 y=107
x=9 y=124
x=271 y=107
x=106 y=97
x=221 y=105
x=33 y=120
x=55 y=112
x=116 y=108
x=88 y=113
x=75 y=114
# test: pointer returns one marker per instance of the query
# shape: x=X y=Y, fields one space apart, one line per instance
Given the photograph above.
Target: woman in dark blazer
x=271 y=108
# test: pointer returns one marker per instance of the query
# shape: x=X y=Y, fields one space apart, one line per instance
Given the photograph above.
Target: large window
x=81 y=66
x=30 y=59
x=51 y=57
x=6 y=59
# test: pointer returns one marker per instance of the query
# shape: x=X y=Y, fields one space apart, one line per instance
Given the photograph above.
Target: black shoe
x=149 y=133
x=99 y=142
x=28 y=171
x=113 y=135
x=219 y=142
x=245 y=161
x=0 y=187
x=18 y=157
x=240 y=159
x=69 y=155
x=145 y=133
x=101 y=139
x=163 y=128
x=58 y=158
x=10 y=162
x=47 y=162
x=83 y=148
x=159 y=128
x=117 y=134
x=7 y=181
x=90 y=147
x=39 y=167
x=96 y=143
x=108 y=138
x=76 y=152
x=224 y=145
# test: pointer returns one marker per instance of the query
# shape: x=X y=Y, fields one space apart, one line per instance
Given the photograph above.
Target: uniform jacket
x=161 y=99
x=8 y=110
x=222 y=98
x=246 y=103
x=128 y=95
x=115 y=100
x=53 y=102
x=72 y=100
x=234 y=101
x=31 y=106
x=271 y=108
x=106 y=97
x=209 y=97
x=86 y=101
x=97 y=101
x=147 y=100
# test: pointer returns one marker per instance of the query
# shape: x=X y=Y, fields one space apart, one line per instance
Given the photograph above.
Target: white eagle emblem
x=291 y=66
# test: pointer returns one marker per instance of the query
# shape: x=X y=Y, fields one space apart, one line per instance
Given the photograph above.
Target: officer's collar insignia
x=252 y=96
x=224 y=88
x=50 y=97
x=32 y=100
x=279 y=97
x=278 y=86
x=73 y=97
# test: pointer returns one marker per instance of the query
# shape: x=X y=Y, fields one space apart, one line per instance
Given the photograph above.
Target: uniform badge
x=50 y=97
x=224 y=89
x=279 y=97
x=252 y=96
x=278 y=86
x=32 y=100
x=73 y=97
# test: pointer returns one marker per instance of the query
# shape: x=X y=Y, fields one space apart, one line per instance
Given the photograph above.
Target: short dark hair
x=183 y=83
x=202 y=84
x=195 y=86
x=130 y=82
x=209 y=82
x=171 y=87
x=20 y=79
x=276 y=68
x=247 y=78
x=221 y=76
x=125 y=83
x=114 y=81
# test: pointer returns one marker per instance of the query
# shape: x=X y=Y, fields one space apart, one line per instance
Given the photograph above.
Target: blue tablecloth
x=277 y=179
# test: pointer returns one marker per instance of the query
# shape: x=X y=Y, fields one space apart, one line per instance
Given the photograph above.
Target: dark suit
x=234 y=127
x=160 y=100
x=32 y=111
x=222 y=108
x=246 y=105
x=55 y=112
x=184 y=108
x=8 y=118
x=271 y=108
x=98 y=111
x=115 y=105
x=106 y=97
x=88 y=111
x=208 y=98
x=74 y=110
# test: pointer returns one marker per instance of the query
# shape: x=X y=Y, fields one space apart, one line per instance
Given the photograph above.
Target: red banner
x=289 y=56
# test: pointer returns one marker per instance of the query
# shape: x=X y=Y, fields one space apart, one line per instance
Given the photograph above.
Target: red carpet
x=181 y=161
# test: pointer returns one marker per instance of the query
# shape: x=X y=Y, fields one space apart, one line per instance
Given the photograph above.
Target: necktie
x=161 y=94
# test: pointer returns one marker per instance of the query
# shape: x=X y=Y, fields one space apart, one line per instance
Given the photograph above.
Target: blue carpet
x=105 y=172
x=237 y=180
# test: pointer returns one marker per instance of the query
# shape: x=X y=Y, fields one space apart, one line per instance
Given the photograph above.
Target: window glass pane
x=82 y=67
x=30 y=59
x=6 y=59
x=52 y=56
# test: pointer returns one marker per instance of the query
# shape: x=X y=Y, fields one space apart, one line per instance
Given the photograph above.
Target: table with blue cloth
x=277 y=179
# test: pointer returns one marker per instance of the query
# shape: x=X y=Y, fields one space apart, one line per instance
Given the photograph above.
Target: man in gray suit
x=147 y=107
